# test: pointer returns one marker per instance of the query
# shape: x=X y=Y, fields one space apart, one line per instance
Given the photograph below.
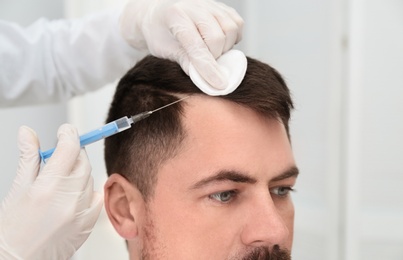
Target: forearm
x=51 y=61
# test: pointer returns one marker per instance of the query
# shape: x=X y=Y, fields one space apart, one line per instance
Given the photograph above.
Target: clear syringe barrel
x=107 y=130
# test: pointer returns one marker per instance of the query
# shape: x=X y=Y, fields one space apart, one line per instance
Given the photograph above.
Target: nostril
x=267 y=227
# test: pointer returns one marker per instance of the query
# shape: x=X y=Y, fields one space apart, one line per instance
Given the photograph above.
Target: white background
x=343 y=60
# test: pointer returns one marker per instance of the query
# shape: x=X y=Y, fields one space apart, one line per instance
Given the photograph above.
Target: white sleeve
x=51 y=61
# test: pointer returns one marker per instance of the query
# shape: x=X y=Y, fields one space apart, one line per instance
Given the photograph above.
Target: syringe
x=109 y=129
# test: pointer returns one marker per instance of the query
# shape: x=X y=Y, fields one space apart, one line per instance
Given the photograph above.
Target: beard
x=148 y=251
x=263 y=253
x=152 y=248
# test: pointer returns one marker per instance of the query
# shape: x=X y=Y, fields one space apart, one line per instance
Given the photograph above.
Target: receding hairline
x=267 y=117
x=155 y=82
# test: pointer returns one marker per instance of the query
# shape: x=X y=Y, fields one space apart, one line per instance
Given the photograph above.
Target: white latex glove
x=49 y=213
x=196 y=31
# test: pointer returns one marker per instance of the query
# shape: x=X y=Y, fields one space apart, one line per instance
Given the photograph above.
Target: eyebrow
x=225 y=175
x=239 y=177
x=292 y=172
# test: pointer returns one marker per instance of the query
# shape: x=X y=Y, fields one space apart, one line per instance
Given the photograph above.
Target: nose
x=266 y=224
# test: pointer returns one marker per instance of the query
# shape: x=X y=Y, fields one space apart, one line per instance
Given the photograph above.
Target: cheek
x=285 y=208
x=190 y=229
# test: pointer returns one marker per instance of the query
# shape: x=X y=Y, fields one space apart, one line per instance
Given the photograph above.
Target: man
x=207 y=178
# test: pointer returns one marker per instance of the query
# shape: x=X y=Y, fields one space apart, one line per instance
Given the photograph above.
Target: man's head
x=206 y=178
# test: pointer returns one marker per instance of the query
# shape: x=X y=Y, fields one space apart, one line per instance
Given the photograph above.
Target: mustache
x=263 y=253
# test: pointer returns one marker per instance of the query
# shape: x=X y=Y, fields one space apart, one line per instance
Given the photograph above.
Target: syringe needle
x=170 y=104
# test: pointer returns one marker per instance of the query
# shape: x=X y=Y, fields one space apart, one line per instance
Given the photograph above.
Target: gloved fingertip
x=27 y=138
x=67 y=131
x=218 y=81
x=29 y=160
x=213 y=77
x=25 y=128
x=66 y=152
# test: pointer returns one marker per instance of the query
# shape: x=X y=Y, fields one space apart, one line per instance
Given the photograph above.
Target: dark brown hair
x=137 y=153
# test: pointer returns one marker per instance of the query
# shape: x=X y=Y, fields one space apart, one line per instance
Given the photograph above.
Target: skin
x=224 y=194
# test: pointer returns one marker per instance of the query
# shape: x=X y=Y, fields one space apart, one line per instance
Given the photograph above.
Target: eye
x=282 y=191
x=224 y=197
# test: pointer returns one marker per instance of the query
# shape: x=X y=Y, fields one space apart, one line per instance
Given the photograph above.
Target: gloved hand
x=196 y=31
x=49 y=213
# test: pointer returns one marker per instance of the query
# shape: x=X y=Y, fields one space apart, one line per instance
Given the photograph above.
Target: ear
x=124 y=205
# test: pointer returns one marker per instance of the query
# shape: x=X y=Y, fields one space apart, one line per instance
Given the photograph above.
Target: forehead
x=222 y=135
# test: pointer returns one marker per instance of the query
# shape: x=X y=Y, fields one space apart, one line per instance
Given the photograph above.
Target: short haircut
x=138 y=152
